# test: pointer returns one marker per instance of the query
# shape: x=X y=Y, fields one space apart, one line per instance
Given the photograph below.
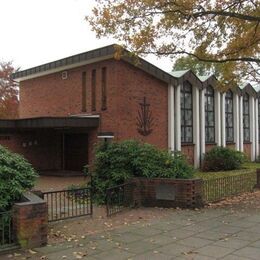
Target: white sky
x=34 y=32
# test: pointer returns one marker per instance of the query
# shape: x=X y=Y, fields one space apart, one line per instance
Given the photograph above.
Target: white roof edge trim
x=62 y=68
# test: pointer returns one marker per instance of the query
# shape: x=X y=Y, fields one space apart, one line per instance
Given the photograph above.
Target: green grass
x=246 y=168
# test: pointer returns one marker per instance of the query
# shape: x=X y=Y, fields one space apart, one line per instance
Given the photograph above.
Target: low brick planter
x=30 y=221
x=161 y=192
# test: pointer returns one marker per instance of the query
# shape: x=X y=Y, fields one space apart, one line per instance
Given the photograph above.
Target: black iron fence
x=69 y=203
x=6 y=230
x=119 y=198
x=219 y=188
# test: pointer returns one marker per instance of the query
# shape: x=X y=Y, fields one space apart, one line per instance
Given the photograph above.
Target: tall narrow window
x=209 y=115
x=93 y=90
x=246 y=119
x=186 y=113
x=229 y=117
x=104 y=88
x=84 y=92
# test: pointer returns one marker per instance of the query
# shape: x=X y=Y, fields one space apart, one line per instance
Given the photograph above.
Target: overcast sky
x=34 y=32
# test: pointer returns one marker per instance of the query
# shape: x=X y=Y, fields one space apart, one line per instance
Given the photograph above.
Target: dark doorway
x=75 y=151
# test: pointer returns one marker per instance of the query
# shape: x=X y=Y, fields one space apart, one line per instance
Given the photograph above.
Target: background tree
x=8 y=92
x=224 y=32
x=197 y=66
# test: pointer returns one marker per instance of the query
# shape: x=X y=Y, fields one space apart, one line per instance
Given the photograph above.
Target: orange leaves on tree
x=8 y=92
x=210 y=31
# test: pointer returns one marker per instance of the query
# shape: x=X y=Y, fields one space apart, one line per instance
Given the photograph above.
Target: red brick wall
x=51 y=96
x=188 y=151
x=188 y=193
x=247 y=150
x=30 y=222
x=231 y=146
x=43 y=149
x=133 y=86
x=126 y=87
x=208 y=147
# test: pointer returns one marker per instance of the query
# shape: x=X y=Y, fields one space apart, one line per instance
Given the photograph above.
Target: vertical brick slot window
x=93 y=89
x=186 y=113
x=104 y=88
x=246 y=119
x=229 y=117
x=84 y=92
x=209 y=115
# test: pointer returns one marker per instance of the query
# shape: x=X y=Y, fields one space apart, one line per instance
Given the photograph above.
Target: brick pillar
x=30 y=221
x=257 y=179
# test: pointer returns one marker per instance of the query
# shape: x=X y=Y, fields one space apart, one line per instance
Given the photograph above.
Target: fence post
x=257 y=179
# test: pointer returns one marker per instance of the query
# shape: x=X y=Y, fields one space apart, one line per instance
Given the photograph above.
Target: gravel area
x=50 y=183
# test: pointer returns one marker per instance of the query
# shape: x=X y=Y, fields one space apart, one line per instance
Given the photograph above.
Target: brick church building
x=67 y=104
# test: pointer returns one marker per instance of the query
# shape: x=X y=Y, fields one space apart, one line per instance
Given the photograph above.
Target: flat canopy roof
x=50 y=122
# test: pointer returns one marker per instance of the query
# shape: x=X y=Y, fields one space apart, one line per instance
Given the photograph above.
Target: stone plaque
x=165 y=192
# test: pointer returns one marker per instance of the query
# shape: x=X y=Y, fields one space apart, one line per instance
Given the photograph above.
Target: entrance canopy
x=50 y=123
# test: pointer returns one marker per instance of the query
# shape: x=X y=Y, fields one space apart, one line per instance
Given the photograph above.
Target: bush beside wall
x=223 y=159
x=16 y=176
x=118 y=162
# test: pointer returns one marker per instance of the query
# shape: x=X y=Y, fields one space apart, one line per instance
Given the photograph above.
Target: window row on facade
x=210 y=122
x=203 y=114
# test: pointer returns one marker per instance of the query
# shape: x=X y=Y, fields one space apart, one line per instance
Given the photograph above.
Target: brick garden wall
x=30 y=222
x=187 y=193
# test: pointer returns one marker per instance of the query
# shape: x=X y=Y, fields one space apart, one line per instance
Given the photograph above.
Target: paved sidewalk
x=185 y=234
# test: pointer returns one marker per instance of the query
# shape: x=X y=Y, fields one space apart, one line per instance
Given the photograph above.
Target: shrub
x=16 y=176
x=223 y=159
x=117 y=162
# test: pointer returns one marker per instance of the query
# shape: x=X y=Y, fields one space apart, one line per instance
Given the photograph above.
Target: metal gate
x=6 y=232
x=68 y=203
x=119 y=198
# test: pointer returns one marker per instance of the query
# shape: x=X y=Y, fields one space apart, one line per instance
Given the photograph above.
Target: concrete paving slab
x=249 y=252
x=235 y=257
x=254 y=218
x=146 y=231
x=175 y=249
x=127 y=237
x=160 y=240
x=210 y=235
x=232 y=243
x=180 y=233
x=152 y=256
x=140 y=247
x=194 y=242
x=215 y=251
x=250 y=236
x=114 y=254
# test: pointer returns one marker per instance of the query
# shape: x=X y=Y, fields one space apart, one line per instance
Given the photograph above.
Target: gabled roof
x=104 y=53
x=257 y=88
x=179 y=73
x=247 y=88
x=187 y=75
x=209 y=80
